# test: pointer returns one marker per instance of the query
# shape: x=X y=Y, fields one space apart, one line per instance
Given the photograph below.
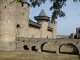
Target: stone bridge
x=38 y=43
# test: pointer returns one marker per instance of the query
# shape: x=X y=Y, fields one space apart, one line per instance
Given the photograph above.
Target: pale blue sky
x=66 y=25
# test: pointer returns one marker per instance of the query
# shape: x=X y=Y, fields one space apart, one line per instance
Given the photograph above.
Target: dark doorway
x=25 y=47
x=18 y=29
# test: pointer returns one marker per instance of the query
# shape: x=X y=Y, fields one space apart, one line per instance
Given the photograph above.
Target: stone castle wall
x=62 y=45
x=8 y=16
x=37 y=32
x=22 y=20
x=14 y=22
x=75 y=35
x=33 y=32
x=49 y=34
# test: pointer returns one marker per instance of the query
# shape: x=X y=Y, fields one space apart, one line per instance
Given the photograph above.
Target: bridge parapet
x=42 y=40
x=38 y=42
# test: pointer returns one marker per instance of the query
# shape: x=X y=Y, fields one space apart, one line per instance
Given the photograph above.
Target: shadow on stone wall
x=47 y=51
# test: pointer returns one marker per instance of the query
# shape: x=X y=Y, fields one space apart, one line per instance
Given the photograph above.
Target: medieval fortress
x=15 y=22
x=17 y=31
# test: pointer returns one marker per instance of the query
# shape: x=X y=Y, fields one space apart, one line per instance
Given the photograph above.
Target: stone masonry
x=39 y=43
x=15 y=22
x=75 y=35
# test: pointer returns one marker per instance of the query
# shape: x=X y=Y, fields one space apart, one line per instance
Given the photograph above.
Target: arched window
x=17 y=26
x=5 y=6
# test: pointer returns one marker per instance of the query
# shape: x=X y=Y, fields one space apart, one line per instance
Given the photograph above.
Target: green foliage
x=56 y=6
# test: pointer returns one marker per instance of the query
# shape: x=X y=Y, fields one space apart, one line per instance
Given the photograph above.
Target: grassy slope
x=29 y=55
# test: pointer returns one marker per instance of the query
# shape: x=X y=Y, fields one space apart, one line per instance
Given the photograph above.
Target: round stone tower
x=53 y=24
x=22 y=18
x=43 y=20
x=14 y=21
x=8 y=17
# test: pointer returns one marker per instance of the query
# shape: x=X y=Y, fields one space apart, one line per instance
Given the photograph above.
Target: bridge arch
x=25 y=47
x=33 y=48
x=42 y=45
x=70 y=45
x=49 y=46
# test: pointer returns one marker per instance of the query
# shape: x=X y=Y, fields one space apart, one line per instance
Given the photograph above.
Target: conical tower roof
x=42 y=16
x=42 y=13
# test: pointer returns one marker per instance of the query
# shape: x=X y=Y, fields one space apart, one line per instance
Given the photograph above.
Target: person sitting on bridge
x=32 y=36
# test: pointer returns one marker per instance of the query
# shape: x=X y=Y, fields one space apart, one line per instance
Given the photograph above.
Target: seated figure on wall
x=32 y=36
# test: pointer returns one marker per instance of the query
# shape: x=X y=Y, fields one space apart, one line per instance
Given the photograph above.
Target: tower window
x=5 y=6
x=22 y=4
x=18 y=26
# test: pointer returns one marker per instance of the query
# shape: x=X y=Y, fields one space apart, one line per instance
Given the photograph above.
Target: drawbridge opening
x=25 y=47
x=34 y=48
x=68 y=49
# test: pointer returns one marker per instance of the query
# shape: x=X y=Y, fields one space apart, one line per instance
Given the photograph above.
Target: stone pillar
x=57 y=49
x=30 y=48
x=57 y=52
x=39 y=49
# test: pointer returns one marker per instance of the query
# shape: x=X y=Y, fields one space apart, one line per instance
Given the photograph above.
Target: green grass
x=29 y=55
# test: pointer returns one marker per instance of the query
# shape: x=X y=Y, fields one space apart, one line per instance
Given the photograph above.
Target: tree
x=56 y=6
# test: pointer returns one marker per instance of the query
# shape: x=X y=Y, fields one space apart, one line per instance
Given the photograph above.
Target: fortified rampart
x=17 y=31
x=14 y=22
